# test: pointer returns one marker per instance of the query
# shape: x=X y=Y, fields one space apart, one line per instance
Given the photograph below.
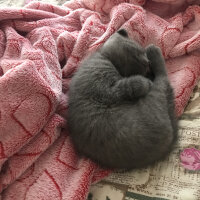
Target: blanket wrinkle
x=41 y=46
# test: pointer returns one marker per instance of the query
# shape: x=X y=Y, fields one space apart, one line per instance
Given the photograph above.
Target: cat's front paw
x=157 y=62
x=147 y=87
x=141 y=86
x=153 y=52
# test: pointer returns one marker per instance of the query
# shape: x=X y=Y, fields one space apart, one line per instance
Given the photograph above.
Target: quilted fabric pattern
x=41 y=46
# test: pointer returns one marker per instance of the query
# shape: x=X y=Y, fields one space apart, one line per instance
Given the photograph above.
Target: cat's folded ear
x=123 y=32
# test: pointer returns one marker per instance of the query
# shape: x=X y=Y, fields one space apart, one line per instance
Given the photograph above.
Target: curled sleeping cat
x=117 y=116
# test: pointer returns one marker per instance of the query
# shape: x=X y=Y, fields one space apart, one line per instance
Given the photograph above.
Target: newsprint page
x=167 y=180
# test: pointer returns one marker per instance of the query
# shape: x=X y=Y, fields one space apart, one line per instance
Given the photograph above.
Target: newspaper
x=11 y=3
x=166 y=180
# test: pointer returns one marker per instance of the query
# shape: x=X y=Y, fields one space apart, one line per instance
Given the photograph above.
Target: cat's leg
x=133 y=87
x=157 y=62
x=161 y=81
x=171 y=109
x=157 y=65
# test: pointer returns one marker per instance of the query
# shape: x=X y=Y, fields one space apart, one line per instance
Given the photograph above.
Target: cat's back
x=91 y=79
x=93 y=67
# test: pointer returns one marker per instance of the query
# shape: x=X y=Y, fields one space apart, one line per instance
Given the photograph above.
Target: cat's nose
x=145 y=59
x=147 y=65
x=147 y=69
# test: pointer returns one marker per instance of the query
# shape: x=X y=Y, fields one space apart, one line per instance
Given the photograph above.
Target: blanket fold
x=41 y=46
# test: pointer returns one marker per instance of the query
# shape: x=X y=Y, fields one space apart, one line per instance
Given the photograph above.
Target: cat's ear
x=123 y=32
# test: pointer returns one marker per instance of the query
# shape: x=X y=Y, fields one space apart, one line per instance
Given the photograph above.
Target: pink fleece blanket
x=40 y=48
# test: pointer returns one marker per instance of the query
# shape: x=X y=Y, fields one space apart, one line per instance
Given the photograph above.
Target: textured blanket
x=41 y=46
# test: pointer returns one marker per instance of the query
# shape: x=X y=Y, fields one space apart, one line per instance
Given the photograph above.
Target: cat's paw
x=157 y=62
x=147 y=87
x=141 y=86
x=153 y=52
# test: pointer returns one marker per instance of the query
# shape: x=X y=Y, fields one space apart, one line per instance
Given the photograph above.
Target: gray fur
x=117 y=116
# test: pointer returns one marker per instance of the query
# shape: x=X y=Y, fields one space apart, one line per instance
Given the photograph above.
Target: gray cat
x=121 y=105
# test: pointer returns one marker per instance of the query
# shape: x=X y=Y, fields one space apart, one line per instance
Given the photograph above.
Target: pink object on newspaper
x=41 y=46
x=190 y=159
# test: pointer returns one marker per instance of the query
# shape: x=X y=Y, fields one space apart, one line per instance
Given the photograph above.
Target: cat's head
x=127 y=56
